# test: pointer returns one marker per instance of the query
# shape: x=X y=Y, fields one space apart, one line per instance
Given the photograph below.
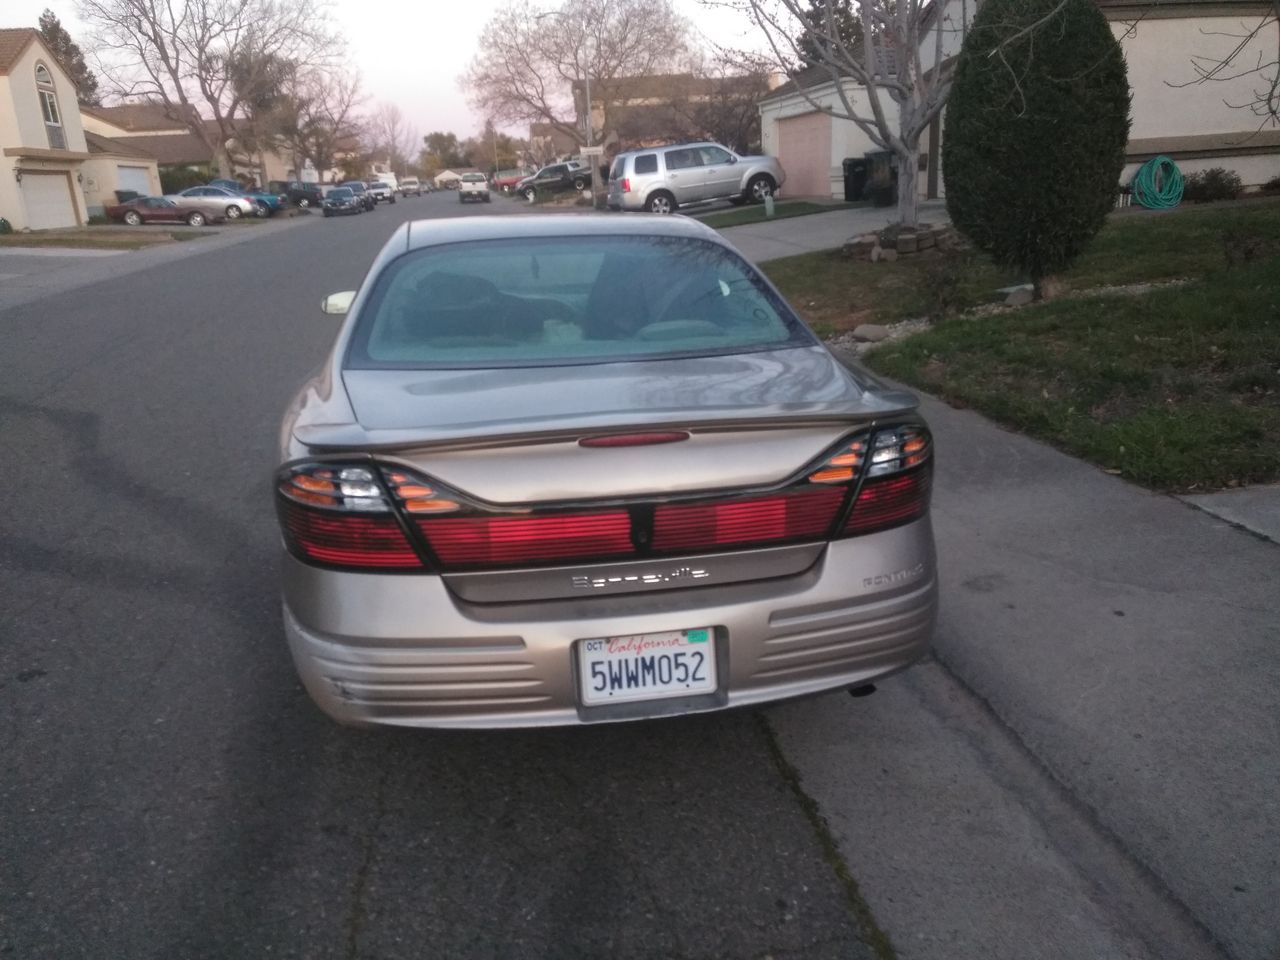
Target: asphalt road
x=166 y=788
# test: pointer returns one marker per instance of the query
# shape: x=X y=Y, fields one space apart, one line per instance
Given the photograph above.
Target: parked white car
x=410 y=185
x=382 y=191
x=473 y=186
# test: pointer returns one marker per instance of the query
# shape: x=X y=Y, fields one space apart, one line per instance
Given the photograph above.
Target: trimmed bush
x=1036 y=127
x=1207 y=186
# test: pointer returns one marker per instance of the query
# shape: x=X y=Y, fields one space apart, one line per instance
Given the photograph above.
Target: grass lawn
x=754 y=213
x=100 y=238
x=1177 y=388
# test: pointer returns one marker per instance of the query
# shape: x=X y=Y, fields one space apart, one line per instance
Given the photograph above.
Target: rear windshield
x=619 y=169
x=473 y=177
x=567 y=300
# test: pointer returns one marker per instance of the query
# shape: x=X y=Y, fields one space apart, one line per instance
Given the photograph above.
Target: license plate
x=648 y=666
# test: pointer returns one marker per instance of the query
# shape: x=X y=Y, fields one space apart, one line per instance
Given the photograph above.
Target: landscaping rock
x=927 y=239
x=876 y=253
x=860 y=247
x=1019 y=296
x=907 y=243
x=870 y=332
x=889 y=255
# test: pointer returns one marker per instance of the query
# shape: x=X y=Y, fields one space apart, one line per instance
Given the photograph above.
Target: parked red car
x=505 y=180
x=157 y=210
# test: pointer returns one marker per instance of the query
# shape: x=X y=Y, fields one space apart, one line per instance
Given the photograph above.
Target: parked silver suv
x=663 y=178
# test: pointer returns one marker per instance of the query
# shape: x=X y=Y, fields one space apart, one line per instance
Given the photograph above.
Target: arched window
x=49 y=107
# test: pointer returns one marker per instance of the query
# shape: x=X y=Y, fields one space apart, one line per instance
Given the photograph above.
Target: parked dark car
x=342 y=200
x=141 y=210
x=555 y=178
x=367 y=199
x=300 y=194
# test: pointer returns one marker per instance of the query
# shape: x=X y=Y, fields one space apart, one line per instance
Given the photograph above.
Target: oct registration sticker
x=650 y=666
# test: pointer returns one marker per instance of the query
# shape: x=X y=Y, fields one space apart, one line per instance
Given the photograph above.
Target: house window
x=49 y=108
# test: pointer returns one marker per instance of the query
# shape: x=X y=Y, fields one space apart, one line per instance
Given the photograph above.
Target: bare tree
x=202 y=59
x=322 y=123
x=531 y=60
x=388 y=133
x=891 y=77
x=1254 y=52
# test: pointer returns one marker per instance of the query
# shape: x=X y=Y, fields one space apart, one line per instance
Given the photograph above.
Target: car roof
x=430 y=233
x=671 y=146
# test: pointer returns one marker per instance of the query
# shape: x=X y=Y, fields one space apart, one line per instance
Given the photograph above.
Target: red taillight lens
x=504 y=541
x=710 y=525
x=885 y=502
x=337 y=515
x=373 y=542
x=626 y=185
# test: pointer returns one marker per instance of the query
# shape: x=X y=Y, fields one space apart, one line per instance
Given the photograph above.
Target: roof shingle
x=13 y=43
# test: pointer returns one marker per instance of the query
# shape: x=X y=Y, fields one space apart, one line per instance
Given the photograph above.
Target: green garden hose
x=1158 y=184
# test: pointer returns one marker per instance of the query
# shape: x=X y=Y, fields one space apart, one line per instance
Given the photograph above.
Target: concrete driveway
x=819 y=231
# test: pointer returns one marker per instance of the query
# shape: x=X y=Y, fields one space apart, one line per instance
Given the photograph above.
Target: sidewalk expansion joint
x=1122 y=881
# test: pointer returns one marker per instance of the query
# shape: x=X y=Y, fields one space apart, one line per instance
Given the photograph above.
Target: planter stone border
x=893 y=242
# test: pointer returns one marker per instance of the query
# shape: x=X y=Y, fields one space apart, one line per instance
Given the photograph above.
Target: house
x=547 y=143
x=42 y=144
x=448 y=179
x=642 y=111
x=1193 y=124
x=116 y=165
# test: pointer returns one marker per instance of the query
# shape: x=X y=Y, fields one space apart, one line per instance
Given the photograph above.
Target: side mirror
x=732 y=158
x=338 y=303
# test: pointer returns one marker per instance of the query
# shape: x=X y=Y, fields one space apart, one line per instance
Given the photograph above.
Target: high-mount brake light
x=634 y=439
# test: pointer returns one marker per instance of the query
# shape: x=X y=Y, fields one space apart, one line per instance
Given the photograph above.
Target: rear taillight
x=626 y=185
x=382 y=517
x=503 y=541
x=805 y=514
x=337 y=515
x=898 y=484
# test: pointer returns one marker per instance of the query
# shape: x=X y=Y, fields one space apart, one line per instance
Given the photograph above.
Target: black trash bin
x=882 y=178
x=856 y=171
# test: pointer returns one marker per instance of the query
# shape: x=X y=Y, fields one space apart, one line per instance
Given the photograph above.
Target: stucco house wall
x=1193 y=123
x=24 y=142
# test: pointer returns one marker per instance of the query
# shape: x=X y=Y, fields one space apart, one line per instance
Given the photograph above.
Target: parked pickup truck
x=300 y=194
x=555 y=178
x=473 y=186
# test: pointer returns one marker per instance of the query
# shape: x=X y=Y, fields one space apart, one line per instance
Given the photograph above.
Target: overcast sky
x=413 y=58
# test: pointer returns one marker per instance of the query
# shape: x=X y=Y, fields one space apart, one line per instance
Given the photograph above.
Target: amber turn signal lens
x=430 y=506
x=836 y=475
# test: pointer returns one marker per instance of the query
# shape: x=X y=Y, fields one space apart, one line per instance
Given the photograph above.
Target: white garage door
x=135 y=179
x=804 y=148
x=48 y=200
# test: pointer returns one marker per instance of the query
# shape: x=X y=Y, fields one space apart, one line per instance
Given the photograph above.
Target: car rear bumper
x=404 y=651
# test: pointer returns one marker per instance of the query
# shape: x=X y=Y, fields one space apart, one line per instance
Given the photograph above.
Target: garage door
x=804 y=147
x=48 y=200
x=135 y=179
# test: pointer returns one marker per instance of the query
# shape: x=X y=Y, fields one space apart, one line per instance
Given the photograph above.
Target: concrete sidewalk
x=1130 y=644
x=819 y=231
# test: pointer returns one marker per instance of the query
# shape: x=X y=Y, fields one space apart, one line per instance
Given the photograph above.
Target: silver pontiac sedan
x=573 y=469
